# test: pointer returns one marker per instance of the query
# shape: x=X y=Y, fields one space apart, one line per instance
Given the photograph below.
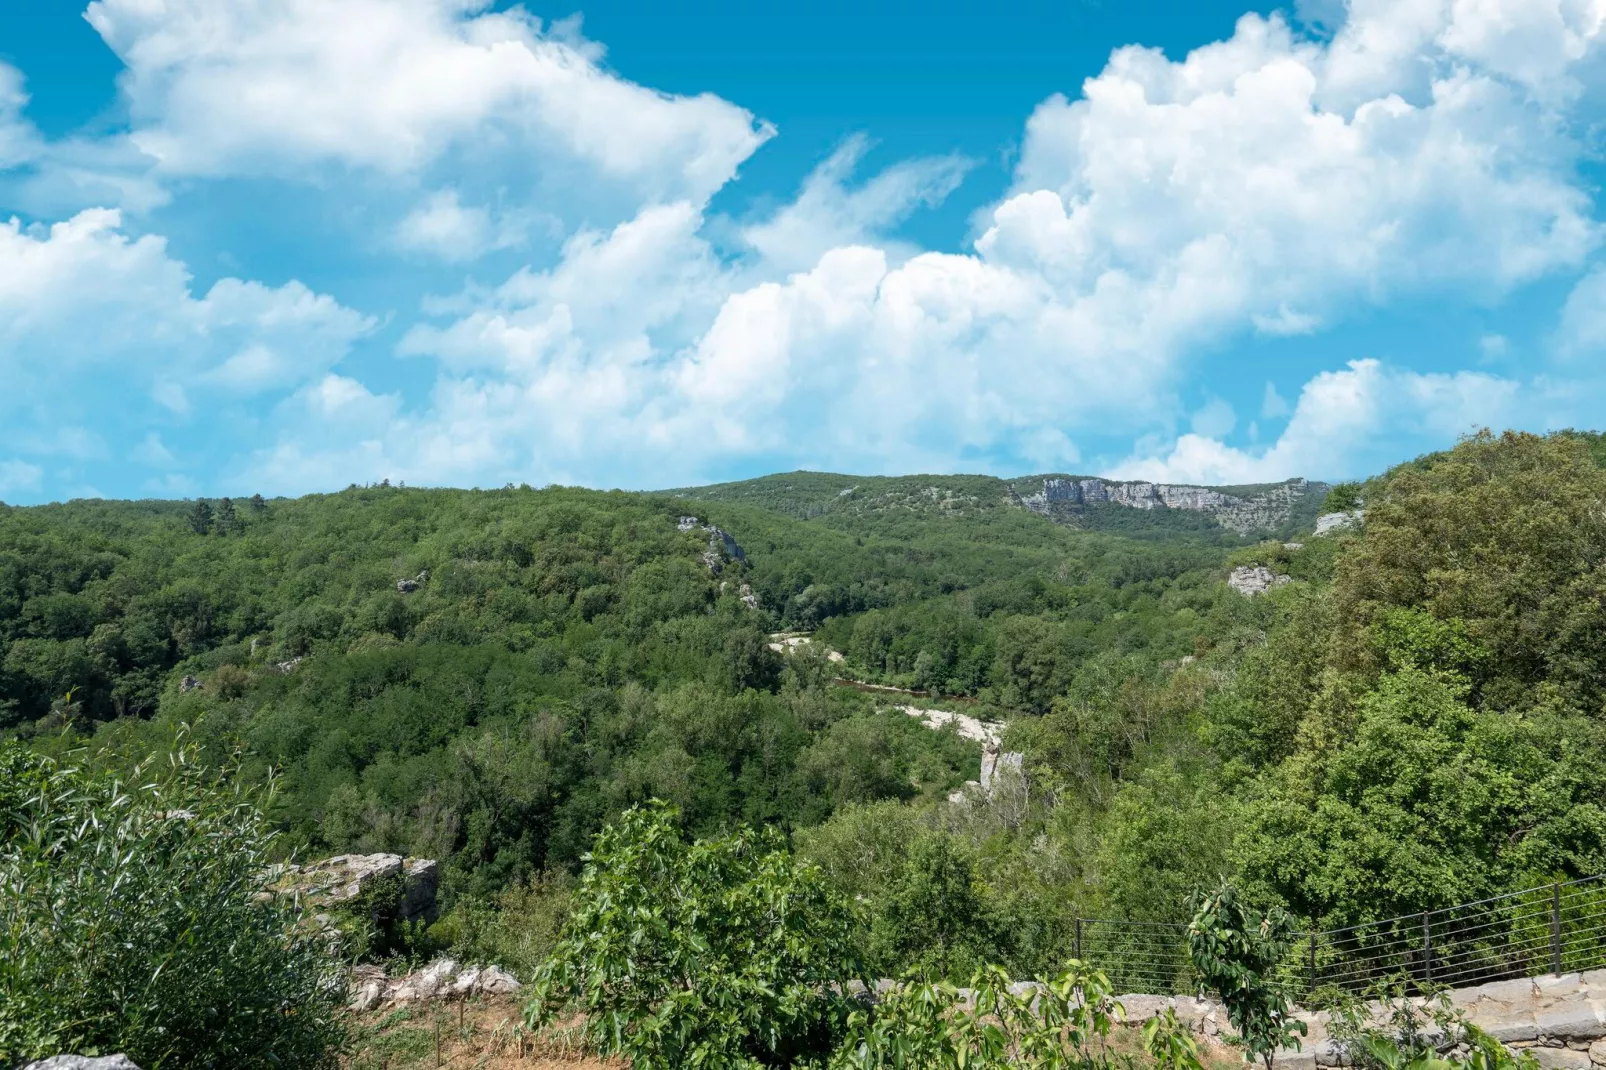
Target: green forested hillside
x=488 y=677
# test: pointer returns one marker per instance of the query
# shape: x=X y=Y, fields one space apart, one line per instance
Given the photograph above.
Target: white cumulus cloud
x=220 y=87
x=1346 y=423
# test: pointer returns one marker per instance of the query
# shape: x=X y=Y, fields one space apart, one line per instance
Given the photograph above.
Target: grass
x=479 y=1034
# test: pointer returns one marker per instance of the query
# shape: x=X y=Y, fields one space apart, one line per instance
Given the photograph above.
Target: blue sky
x=287 y=245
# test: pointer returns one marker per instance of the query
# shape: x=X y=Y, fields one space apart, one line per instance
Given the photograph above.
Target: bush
x=133 y=919
x=726 y=952
x=1236 y=952
x=517 y=929
x=1057 y=1023
x=1398 y=1032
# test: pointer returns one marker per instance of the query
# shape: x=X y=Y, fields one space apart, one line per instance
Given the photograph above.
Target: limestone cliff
x=1242 y=509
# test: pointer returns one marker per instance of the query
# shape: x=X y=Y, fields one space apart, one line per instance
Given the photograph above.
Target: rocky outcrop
x=441 y=979
x=1328 y=523
x=1260 y=511
x=787 y=643
x=1251 y=580
x=83 y=1062
x=722 y=546
x=343 y=878
x=409 y=586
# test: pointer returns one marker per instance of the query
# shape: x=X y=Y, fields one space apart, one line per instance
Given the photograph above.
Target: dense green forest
x=488 y=677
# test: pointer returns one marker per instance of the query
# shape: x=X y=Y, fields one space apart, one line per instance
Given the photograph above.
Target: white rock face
x=1267 y=509
x=1328 y=523
x=441 y=979
x=83 y=1062
x=1251 y=580
x=785 y=643
x=343 y=878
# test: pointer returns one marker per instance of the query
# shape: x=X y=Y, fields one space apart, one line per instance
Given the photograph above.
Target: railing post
x=1555 y=929
x=1312 y=990
x=1077 y=945
x=1427 y=946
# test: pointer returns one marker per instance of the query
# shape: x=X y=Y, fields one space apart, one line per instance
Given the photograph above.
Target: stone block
x=1560 y=1059
x=1572 y=1019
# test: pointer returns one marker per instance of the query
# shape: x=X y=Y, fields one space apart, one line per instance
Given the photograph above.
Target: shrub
x=133 y=919
x=1397 y=1032
x=516 y=929
x=726 y=952
x=1054 y=1024
x=1236 y=951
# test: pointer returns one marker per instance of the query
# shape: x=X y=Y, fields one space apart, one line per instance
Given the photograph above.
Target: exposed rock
x=1560 y=1058
x=406 y=586
x=686 y=523
x=441 y=979
x=1254 y=579
x=749 y=599
x=785 y=643
x=1328 y=523
x=987 y=733
x=83 y=1062
x=994 y=762
x=287 y=666
x=340 y=879
x=1255 y=512
x=722 y=548
x=189 y=683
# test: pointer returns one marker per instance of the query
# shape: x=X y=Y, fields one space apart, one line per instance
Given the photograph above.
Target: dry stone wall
x=1561 y=1020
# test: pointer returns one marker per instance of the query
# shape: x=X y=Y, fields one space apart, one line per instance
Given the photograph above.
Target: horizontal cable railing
x=1556 y=928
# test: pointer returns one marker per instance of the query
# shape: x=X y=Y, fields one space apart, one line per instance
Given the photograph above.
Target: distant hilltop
x=1091 y=502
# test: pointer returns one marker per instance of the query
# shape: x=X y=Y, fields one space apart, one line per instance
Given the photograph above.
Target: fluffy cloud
x=19 y=476
x=1264 y=183
x=101 y=326
x=18 y=139
x=1346 y=423
x=82 y=293
x=221 y=87
x=1582 y=331
x=828 y=214
x=1271 y=183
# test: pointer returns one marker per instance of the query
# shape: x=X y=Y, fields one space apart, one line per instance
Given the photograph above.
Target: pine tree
x=201 y=517
x=258 y=505
x=226 y=520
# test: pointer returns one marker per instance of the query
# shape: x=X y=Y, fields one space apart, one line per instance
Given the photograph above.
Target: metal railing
x=1555 y=928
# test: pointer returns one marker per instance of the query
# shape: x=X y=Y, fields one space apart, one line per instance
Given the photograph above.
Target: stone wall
x=1560 y=1019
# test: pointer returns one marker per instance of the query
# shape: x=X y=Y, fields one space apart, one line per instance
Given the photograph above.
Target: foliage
x=518 y=928
x=1058 y=1022
x=1342 y=498
x=132 y=919
x=724 y=952
x=1397 y=1032
x=1236 y=952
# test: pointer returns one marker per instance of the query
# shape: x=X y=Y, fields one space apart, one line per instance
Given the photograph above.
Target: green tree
x=934 y=920
x=1342 y=498
x=200 y=518
x=1236 y=952
x=724 y=952
x=227 y=521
